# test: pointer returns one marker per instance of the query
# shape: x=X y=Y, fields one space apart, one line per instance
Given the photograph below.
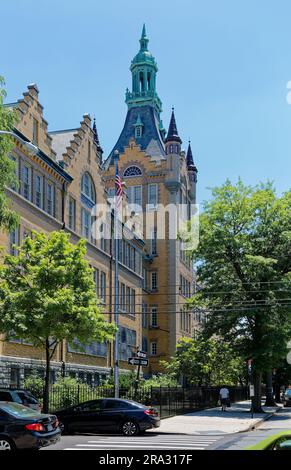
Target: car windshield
x=19 y=411
x=25 y=398
x=288 y=392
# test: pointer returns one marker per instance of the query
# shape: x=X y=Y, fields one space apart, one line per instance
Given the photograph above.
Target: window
x=96 y=281
x=144 y=315
x=14 y=159
x=35 y=131
x=134 y=194
x=128 y=299
x=154 y=349
x=144 y=279
x=86 y=224
x=88 y=188
x=138 y=132
x=50 y=199
x=154 y=242
x=127 y=342
x=14 y=377
x=154 y=316
x=14 y=241
x=132 y=302
x=144 y=344
x=122 y=297
x=152 y=195
x=154 y=279
x=72 y=213
x=39 y=191
x=93 y=349
x=103 y=287
x=26 y=180
x=132 y=171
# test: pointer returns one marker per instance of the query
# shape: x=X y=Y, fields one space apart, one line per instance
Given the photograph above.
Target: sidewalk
x=216 y=422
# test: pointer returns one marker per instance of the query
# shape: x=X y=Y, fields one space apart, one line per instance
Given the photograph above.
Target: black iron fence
x=169 y=401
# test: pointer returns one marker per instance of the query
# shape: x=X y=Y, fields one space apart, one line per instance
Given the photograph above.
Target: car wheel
x=6 y=444
x=130 y=428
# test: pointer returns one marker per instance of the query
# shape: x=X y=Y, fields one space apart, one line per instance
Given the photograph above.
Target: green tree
x=8 y=218
x=243 y=264
x=47 y=295
x=206 y=361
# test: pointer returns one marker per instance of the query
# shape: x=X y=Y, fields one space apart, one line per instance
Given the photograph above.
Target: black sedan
x=108 y=415
x=24 y=428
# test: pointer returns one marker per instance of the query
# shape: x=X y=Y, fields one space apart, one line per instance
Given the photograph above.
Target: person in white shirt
x=224 y=397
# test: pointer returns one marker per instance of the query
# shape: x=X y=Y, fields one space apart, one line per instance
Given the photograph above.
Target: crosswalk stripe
x=120 y=446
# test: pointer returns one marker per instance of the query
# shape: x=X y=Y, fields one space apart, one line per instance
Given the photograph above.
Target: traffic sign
x=252 y=391
x=136 y=361
x=141 y=354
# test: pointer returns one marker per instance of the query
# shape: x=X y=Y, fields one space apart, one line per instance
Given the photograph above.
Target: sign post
x=251 y=386
x=140 y=360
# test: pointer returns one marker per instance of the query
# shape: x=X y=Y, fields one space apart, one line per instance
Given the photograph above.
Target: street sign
x=136 y=361
x=252 y=391
x=141 y=354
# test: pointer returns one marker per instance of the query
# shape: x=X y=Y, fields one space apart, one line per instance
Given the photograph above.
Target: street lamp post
x=31 y=148
x=116 y=296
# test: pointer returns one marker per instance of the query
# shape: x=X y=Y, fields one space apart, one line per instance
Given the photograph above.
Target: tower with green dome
x=144 y=69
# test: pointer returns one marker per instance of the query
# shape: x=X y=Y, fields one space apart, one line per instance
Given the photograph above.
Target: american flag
x=118 y=188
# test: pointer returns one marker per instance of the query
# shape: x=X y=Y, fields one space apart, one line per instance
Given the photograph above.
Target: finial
x=143 y=34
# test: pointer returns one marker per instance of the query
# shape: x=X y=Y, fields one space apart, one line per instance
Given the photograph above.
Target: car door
x=112 y=414
x=85 y=417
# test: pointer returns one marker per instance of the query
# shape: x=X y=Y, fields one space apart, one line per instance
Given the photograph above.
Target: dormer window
x=132 y=171
x=138 y=132
x=138 y=127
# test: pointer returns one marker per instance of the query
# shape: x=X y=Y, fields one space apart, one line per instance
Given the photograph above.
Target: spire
x=189 y=159
x=173 y=132
x=143 y=40
x=96 y=138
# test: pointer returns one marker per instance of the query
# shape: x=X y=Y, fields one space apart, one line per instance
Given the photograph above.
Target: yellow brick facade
x=47 y=183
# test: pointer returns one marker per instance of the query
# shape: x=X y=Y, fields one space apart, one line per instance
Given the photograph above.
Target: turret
x=173 y=141
x=192 y=171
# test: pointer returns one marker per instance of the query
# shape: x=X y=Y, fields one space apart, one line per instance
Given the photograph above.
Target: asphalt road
x=160 y=441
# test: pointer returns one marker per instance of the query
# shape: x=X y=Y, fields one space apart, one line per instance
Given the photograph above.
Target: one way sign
x=136 y=361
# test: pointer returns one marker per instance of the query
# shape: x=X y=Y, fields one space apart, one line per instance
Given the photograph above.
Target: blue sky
x=224 y=65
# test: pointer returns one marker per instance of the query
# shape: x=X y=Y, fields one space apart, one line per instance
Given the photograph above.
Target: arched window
x=88 y=188
x=132 y=171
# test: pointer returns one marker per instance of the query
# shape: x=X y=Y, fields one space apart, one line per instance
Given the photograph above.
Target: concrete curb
x=254 y=426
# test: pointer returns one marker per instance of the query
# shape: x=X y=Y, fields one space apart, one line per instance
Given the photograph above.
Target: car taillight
x=56 y=423
x=151 y=412
x=34 y=427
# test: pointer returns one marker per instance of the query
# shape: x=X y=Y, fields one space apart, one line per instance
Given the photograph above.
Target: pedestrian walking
x=224 y=398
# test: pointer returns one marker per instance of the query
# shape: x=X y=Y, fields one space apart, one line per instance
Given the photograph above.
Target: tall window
x=72 y=213
x=26 y=180
x=86 y=224
x=122 y=297
x=50 y=199
x=154 y=348
x=144 y=315
x=103 y=287
x=134 y=194
x=154 y=315
x=88 y=188
x=96 y=277
x=35 y=131
x=154 y=279
x=132 y=302
x=39 y=191
x=14 y=241
x=16 y=170
x=128 y=299
x=154 y=242
x=152 y=195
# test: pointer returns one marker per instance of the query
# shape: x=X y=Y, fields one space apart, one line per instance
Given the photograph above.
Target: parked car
x=24 y=428
x=279 y=441
x=287 y=397
x=108 y=415
x=23 y=397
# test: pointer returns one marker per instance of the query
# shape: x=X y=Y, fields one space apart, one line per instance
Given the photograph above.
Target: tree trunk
x=47 y=377
x=277 y=393
x=257 y=399
x=269 y=390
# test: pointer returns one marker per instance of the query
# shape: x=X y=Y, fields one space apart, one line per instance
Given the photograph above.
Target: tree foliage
x=8 y=218
x=47 y=295
x=208 y=362
x=243 y=265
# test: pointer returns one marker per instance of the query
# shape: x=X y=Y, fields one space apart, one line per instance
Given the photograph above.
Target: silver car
x=23 y=397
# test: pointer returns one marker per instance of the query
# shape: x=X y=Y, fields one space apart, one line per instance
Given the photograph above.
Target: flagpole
x=116 y=296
